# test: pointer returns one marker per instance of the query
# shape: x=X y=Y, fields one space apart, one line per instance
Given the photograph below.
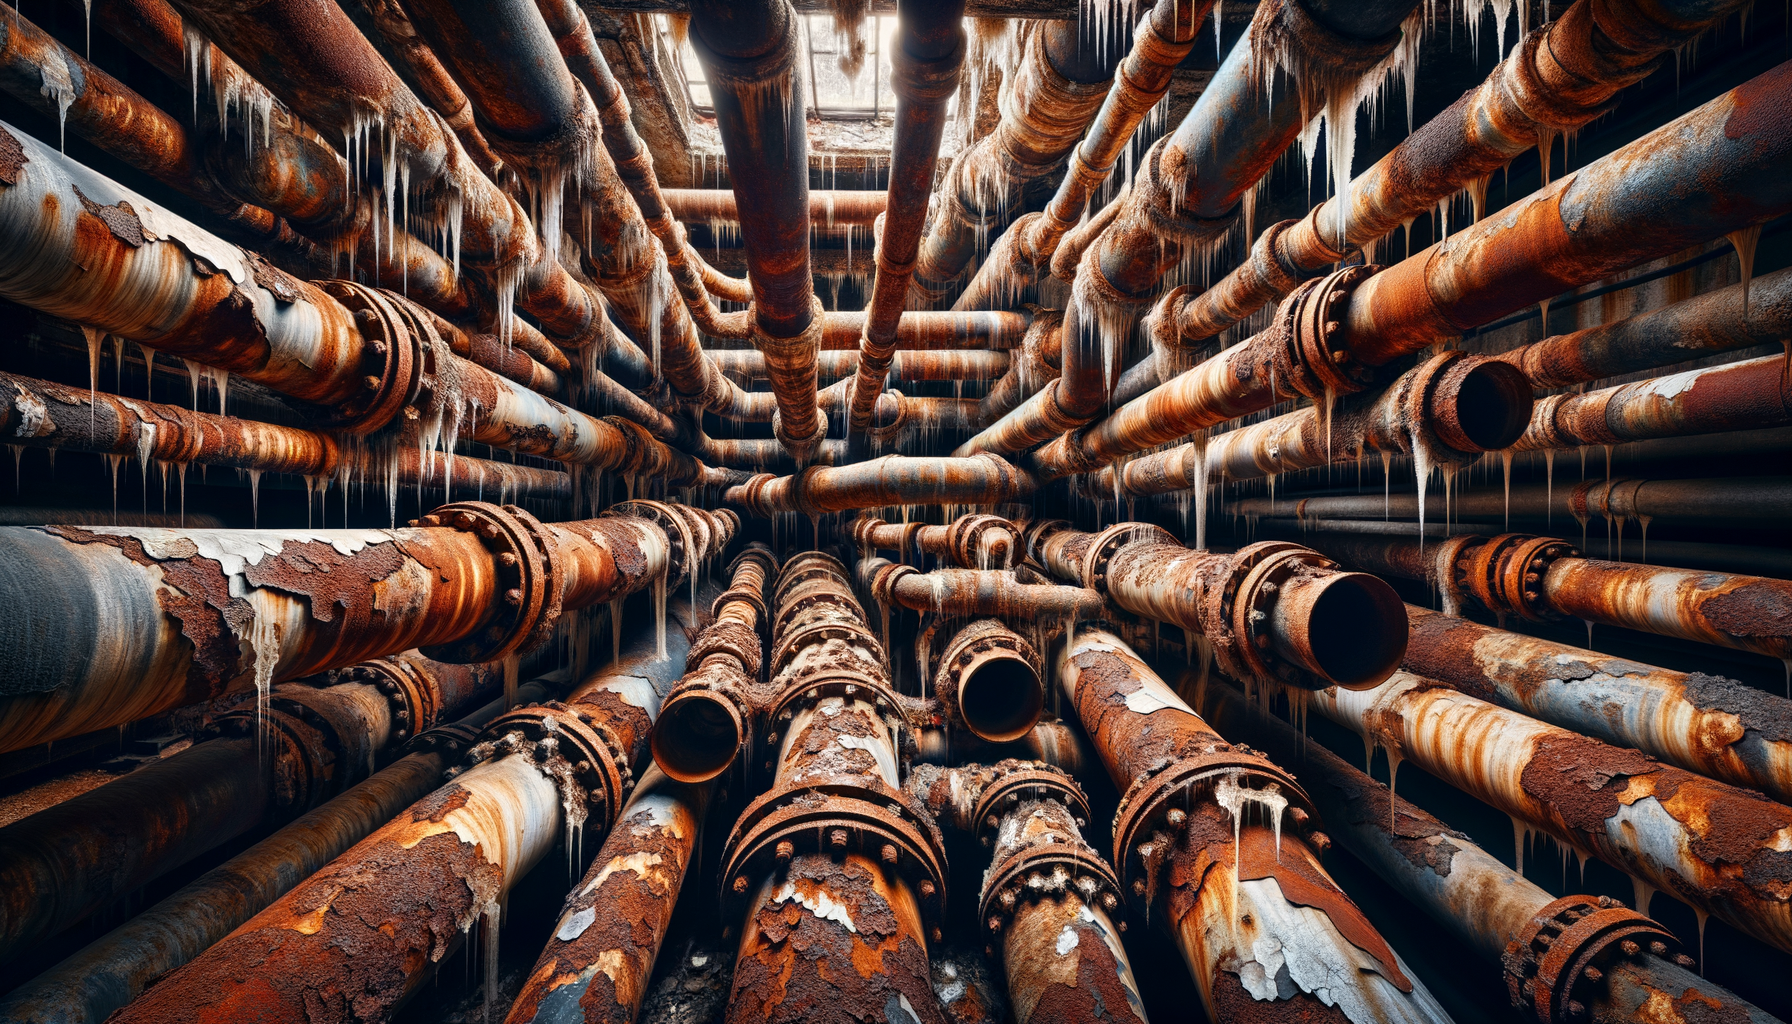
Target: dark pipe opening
x=696 y=739
x=1357 y=631
x=1493 y=405
x=1001 y=699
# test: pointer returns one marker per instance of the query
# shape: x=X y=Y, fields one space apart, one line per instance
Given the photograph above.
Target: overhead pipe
x=750 y=54
x=989 y=679
x=598 y=964
x=423 y=70
x=837 y=897
x=1055 y=93
x=1048 y=900
x=151 y=620
x=1200 y=846
x=1038 y=360
x=1712 y=845
x=827 y=207
x=923 y=329
x=834 y=365
x=1717 y=727
x=927 y=55
x=1162 y=39
x=292 y=749
x=1544 y=578
x=1704 y=325
x=1764 y=501
x=972 y=541
x=108 y=973
x=1555 y=81
x=889 y=480
x=1273 y=611
x=1330 y=332
x=357 y=938
x=1560 y=960
x=955 y=592
x=1749 y=394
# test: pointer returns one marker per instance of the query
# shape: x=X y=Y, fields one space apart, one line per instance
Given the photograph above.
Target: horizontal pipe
x=1753 y=393
x=1711 y=845
x=972 y=541
x=832 y=365
x=995 y=592
x=827 y=207
x=890 y=480
x=921 y=329
x=991 y=681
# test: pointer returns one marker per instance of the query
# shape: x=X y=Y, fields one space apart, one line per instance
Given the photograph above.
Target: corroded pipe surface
x=1199 y=844
x=890 y=480
x=990 y=680
x=833 y=365
x=995 y=592
x=1717 y=727
x=1743 y=501
x=827 y=207
x=1573 y=943
x=921 y=329
x=1749 y=394
x=973 y=541
x=1714 y=846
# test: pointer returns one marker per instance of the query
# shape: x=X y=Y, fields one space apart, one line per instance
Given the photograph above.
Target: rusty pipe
x=1051 y=741
x=368 y=929
x=829 y=207
x=423 y=70
x=1707 y=724
x=1049 y=900
x=1555 y=953
x=890 y=480
x=832 y=365
x=922 y=329
x=711 y=716
x=1273 y=611
x=928 y=54
x=110 y=972
x=1159 y=43
x=839 y=897
x=1749 y=394
x=990 y=680
x=1200 y=845
x=973 y=541
x=1730 y=145
x=1711 y=845
x=995 y=592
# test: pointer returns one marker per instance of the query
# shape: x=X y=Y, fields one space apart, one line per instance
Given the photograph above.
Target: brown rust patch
x=283 y=286
x=1582 y=779
x=326 y=577
x=1759 y=711
x=1762 y=608
x=1095 y=994
x=1758 y=110
x=121 y=220
x=1232 y=1004
x=12 y=157
x=629 y=724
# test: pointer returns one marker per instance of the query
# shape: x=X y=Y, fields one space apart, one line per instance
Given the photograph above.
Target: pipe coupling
x=981 y=541
x=569 y=745
x=928 y=81
x=393 y=338
x=414 y=696
x=529 y=585
x=990 y=680
x=694 y=535
x=1311 y=354
x=1445 y=402
x=1553 y=968
x=1041 y=871
x=322 y=739
x=1506 y=573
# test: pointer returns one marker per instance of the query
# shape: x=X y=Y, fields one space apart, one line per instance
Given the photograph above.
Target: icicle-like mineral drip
x=1744 y=242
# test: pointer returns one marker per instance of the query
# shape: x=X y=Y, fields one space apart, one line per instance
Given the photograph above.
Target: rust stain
x=12 y=157
x=120 y=219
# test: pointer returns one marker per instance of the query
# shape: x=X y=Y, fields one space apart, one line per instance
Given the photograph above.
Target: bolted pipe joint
x=695 y=536
x=422 y=693
x=1554 y=966
x=581 y=750
x=322 y=739
x=991 y=682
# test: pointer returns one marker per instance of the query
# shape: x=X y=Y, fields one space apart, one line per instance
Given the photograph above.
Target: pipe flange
x=834 y=819
x=571 y=746
x=893 y=429
x=754 y=499
x=801 y=449
x=805 y=566
x=974 y=538
x=1253 y=606
x=451 y=741
x=1554 y=966
x=883 y=585
x=737 y=640
x=792 y=642
x=528 y=582
x=970 y=640
x=928 y=81
x=298 y=742
x=1102 y=548
x=1162 y=205
x=1035 y=534
x=1313 y=358
x=1418 y=390
x=846 y=683
x=1506 y=573
x=752 y=595
x=684 y=548
x=1150 y=806
x=816 y=590
x=1450 y=569
x=1043 y=872
x=1038 y=782
x=391 y=358
x=414 y=696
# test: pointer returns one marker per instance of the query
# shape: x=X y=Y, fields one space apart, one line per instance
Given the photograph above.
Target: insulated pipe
x=1053 y=96
x=1542 y=578
x=998 y=592
x=827 y=207
x=717 y=708
x=890 y=480
x=1556 y=80
x=293 y=749
x=40 y=414
x=925 y=62
x=838 y=881
x=1717 y=727
x=1693 y=328
x=1047 y=894
x=140 y=621
x=750 y=54
x=833 y=365
x=1714 y=847
x=110 y=972
x=1159 y=43
x=1749 y=394
x=1200 y=846
x=357 y=938
x=1731 y=146
x=990 y=680
x=973 y=541
x=1273 y=611
x=1563 y=960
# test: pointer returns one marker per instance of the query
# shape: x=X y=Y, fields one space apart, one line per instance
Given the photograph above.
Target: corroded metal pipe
x=839 y=895
x=832 y=365
x=1274 y=611
x=1051 y=741
x=997 y=592
x=891 y=480
x=921 y=329
x=1200 y=846
x=1047 y=893
x=974 y=541
x=1543 y=578
x=147 y=620
x=360 y=936
x=1555 y=81
x=1713 y=846
x=1717 y=727
x=1328 y=333
x=990 y=680
x=928 y=53
x=112 y=971
x=718 y=707
x=423 y=68
x=1749 y=394
x=827 y=207
x=1563 y=960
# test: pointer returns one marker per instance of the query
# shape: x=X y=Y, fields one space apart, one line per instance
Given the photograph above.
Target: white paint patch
x=574 y=925
x=638 y=862
x=821 y=906
x=1066 y=940
x=234 y=550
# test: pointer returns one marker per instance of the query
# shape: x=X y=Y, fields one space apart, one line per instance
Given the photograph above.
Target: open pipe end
x=1482 y=405
x=1000 y=696
x=1348 y=628
x=697 y=736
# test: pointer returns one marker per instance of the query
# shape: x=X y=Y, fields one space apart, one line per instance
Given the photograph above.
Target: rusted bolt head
x=1120 y=925
x=1263 y=641
x=1683 y=960
x=888 y=854
x=783 y=852
x=507 y=559
x=1007 y=899
x=1176 y=817
x=488 y=531
x=1658 y=948
x=995 y=923
x=464 y=520
x=513 y=596
x=927 y=889
x=365 y=318
x=1146 y=850
x=1576 y=1008
x=1630 y=948
x=1321 y=842
x=402 y=714
x=370 y=382
x=1138 y=887
x=1606 y=901
x=740 y=885
x=1109 y=901
x=431 y=520
x=1593 y=973
x=837 y=840
x=991 y=821
x=934 y=934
